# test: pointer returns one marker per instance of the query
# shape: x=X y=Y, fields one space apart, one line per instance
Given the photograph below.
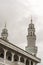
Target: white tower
x=4 y=33
x=31 y=40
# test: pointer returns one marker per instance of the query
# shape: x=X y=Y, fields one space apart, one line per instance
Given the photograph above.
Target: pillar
x=25 y=61
x=5 y=55
x=12 y=57
x=29 y=62
x=34 y=63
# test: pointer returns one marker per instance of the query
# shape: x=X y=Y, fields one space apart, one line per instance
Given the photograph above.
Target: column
x=5 y=54
x=29 y=62
x=34 y=63
x=19 y=58
x=12 y=57
x=25 y=61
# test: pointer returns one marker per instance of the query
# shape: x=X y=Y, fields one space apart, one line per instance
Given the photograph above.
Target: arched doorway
x=1 y=52
x=9 y=55
x=31 y=62
x=27 y=62
x=16 y=58
x=22 y=59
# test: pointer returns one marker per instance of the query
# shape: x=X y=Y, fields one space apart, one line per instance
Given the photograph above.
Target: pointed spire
x=31 y=19
x=31 y=25
x=5 y=24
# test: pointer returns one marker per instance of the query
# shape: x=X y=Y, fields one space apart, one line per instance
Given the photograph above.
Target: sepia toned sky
x=17 y=15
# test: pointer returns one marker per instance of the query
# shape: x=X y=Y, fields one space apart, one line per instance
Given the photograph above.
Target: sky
x=17 y=15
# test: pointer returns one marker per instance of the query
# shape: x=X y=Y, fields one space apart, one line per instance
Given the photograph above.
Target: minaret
x=31 y=40
x=4 y=33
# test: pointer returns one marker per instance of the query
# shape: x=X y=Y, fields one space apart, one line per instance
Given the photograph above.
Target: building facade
x=13 y=55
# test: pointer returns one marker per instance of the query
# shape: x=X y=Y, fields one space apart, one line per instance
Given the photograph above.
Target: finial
x=31 y=19
x=5 y=25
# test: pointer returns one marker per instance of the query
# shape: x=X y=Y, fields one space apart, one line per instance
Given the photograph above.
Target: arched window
x=27 y=62
x=31 y=62
x=22 y=59
x=16 y=58
x=9 y=55
x=31 y=33
x=1 y=53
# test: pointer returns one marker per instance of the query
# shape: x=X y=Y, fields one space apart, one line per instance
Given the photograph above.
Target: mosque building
x=10 y=54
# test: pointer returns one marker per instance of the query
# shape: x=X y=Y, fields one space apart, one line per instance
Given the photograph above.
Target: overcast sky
x=17 y=15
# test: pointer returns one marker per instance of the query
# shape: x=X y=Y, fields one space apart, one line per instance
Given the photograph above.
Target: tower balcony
x=32 y=50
